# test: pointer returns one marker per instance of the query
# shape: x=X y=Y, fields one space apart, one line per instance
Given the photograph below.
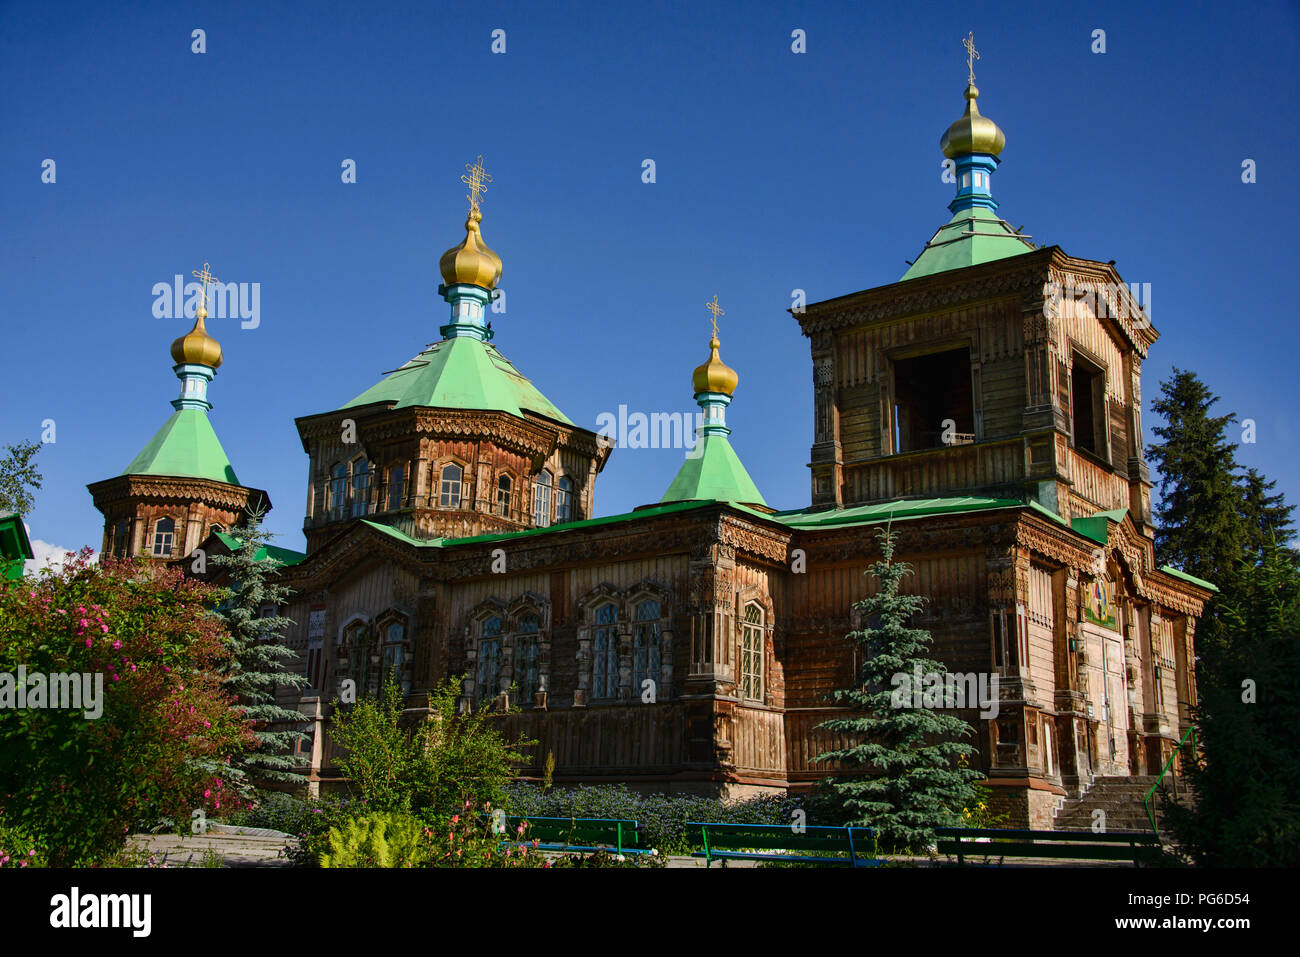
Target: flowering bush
x=76 y=784
x=19 y=849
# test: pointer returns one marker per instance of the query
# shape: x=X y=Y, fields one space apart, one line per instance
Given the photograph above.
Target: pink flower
x=88 y=642
x=207 y=793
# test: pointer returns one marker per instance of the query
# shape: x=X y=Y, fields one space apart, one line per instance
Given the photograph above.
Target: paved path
x=235 y=846
x=259 y=847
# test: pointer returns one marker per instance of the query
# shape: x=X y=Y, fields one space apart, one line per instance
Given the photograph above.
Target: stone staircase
x=1121 y=799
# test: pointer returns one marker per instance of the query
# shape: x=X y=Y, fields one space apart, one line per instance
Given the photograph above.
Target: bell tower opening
x=933 y=401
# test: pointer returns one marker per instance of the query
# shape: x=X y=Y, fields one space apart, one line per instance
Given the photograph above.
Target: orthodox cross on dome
x=205 y=277
x=971 y=55
x=717 y=310
x=477 y=181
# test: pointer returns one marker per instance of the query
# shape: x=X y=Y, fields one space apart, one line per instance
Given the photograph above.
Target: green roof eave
x=460 y=373
x=15 y=546
x=650 y=512
x=714 y=474
x=285 y=556
x=972 y=237
x=900 y=509
x=1094 y=525
x=186 y=446
x=1183 y=576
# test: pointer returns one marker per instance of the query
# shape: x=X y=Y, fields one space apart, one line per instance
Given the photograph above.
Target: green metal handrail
x=1146 y=801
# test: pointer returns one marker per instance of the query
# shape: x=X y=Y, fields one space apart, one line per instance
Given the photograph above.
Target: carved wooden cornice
x=1021 y=275
x=178 y=489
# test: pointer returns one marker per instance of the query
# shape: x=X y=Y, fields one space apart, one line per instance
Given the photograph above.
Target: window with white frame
x=356 y=640
x=164 y=530
x=396 y=481
x=503 y=496
x=542 y=500
x=393 y=654
x=449 y=486
x=604 y=652
x=487 y=681
x=527 y=640
x=563 y=500
x=645 y=644
x=751 y=653
x=360 y=487
x=338 y=492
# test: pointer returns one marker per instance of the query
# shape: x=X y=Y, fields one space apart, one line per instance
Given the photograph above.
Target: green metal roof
x=713 y=471
x=973 y=236
x=285 y=556
x=527 y=532
x=1170 y=570
x=15 y=547
x=887 y=511
x=185 y=446
x=460 y=373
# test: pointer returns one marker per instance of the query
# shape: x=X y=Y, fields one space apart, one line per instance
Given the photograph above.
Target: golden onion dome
x=972 y=133
x=471 y=262
x=715 y=375
x=196 y=347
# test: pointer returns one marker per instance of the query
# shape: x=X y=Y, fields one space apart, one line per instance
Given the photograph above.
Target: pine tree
x=915 y=777
x=257 y=667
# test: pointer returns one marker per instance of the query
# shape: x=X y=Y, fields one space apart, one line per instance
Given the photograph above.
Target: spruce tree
x=915 y=779
x=1246 y=811
x=256 y=667
x=1268 y=517
x=1199 y=514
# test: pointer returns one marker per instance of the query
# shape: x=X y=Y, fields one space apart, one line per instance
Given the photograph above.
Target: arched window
x=396 y=477
x=360 y=487
x=751 y=653
x=503 y=496
x=526 y=644
x=393 y=655
x=542 y=500
x=487 y=681
x=449 y=486
x=163 y=532
x=338 y=492
x=563 y=499
x=604 y=653
x=645 y=645
x=356 y=644
x=215 y=529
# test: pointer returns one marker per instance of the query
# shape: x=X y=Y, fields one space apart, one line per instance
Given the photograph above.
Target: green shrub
x=430 y=769
x=377 y=840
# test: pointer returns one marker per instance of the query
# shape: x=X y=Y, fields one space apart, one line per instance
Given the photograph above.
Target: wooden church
x=978 y=405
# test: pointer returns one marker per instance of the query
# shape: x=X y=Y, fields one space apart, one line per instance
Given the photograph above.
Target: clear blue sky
x=775 y=171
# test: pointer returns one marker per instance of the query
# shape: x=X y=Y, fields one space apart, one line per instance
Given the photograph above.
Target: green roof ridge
x=186 y=446
x=972 y=237
x=713 y=472
x=460 y=373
